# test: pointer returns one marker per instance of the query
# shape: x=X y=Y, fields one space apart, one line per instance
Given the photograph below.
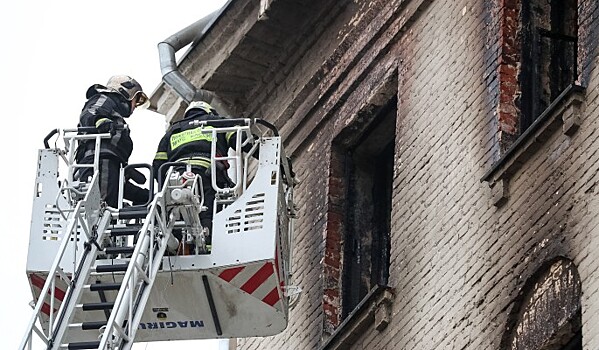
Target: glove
x=107 y=127
x=137 y=195
x=136 y=176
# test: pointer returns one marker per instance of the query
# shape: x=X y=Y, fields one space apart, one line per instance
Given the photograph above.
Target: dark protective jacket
x=107 y=113
x=184 y=142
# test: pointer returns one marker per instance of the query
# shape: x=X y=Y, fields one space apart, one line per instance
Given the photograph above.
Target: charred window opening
x=549 y=54
x=547 y=312
x=575 y=343
x=368 y=169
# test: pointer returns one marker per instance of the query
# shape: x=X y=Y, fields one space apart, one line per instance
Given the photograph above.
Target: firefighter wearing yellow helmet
x=183 y=142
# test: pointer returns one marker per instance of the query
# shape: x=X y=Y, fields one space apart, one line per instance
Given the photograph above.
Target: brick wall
x=458 y=263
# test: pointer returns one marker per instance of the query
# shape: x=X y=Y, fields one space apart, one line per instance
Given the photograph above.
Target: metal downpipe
x=168 y=64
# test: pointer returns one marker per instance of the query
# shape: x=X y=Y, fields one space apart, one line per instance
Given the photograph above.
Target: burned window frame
x=366 y=256
x=549 y=55
x=547 y=312
x=514 y=71
x=517 y=139
x=356 y=142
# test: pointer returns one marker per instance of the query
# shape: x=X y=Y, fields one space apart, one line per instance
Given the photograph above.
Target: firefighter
x=183 y=142
x=106 y=108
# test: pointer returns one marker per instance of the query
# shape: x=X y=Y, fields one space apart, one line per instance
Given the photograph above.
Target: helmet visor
x=141 y=100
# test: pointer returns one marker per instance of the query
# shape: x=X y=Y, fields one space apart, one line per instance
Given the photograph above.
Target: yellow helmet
x=200 y=105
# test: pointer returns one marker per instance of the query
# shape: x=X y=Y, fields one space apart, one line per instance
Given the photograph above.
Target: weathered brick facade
x=476 y=227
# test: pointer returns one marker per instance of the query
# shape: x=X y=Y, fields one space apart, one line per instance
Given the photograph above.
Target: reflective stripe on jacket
x=104 y=109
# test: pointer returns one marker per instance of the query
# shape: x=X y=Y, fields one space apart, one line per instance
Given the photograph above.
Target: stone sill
x=375 y=309
x=563 y=112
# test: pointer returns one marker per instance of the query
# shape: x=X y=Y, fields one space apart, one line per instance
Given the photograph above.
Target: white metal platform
x=239 y=289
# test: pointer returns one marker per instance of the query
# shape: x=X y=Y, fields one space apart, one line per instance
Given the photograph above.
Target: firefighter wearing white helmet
x=183 y=143
x=125 y=86
x=106 y=108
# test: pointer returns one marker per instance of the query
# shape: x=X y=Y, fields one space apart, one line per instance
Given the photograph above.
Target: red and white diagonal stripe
x=258 y=280
x=37 y=283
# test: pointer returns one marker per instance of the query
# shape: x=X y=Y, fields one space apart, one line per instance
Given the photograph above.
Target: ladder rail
x=136 y=318
x=113 y=335
x=71 y=231
x=75 y=218
x=47 y=285
x=77 y=284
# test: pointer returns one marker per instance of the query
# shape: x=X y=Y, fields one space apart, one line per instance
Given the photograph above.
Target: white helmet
x=200 y=105
x=125 y=86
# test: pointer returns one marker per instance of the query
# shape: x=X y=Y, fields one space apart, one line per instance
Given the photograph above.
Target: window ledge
x=375 y=308
x=564 y=112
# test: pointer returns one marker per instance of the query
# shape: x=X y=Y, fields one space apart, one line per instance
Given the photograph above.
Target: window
x=369 y=171
x=359 y=214
x=538 y=82
x=547 y=313
x=549 y=54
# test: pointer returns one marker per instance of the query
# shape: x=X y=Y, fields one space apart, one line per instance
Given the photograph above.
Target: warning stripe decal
x=229 y=274
x=258 y=278
x=39 y=282
x=46 y=309
x=272 y=297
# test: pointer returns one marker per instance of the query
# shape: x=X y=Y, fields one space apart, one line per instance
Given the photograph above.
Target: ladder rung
x=96 y=287
x=83 y=345
x=92 y=325
x=88 y=325
x=133 y=213
x=125 y=231
x=112 y=268
x=119 y=250
x=97 y=306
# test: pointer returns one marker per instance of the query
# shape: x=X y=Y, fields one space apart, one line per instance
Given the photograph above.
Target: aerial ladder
x=104 y=278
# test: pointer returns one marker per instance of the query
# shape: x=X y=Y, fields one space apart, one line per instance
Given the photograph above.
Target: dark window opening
x=549 y=54
x=367 y=209
x=547 y=312
x=575 y=343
